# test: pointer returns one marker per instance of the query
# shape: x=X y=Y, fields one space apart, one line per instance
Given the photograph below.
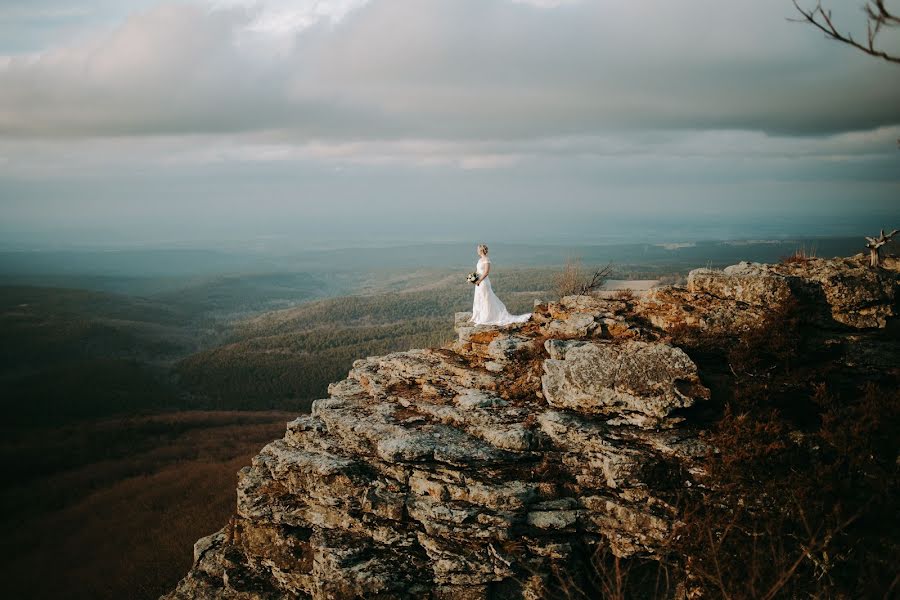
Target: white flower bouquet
x=472 y=278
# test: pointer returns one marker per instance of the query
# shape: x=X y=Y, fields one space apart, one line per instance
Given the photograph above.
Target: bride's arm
x=487 y=269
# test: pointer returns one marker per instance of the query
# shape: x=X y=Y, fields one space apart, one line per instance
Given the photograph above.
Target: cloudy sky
x=138 y=121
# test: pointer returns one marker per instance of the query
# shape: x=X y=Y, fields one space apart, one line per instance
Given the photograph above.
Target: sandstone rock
x=599 y=456
x=750 y=283
x=504 y=349
x=637 y=382
x=481 y=336
x=845 y=289
x=827 y=292
x=586 y=304
x=728 y=302
x=670 y=308
x=629 y=528
x=552 y=519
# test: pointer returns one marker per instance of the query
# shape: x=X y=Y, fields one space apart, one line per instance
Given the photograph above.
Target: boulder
x=844 y=290
x=836 y=293
x=632 y=382
x=749 y=283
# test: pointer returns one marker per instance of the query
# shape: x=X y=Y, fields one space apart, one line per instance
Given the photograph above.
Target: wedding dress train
x=487 y=309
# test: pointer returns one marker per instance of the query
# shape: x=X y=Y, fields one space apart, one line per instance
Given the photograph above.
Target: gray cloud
x=202 y=116
x=466 y=69
x=702 y=153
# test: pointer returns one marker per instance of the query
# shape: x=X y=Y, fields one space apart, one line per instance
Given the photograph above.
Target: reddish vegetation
x=815 y=508
x=803 y=485
x=800 y=256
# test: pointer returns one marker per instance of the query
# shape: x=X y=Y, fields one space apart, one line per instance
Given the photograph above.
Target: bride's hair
x=482 y=249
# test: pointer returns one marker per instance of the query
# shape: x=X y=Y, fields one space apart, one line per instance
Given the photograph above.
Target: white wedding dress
x=487 y=309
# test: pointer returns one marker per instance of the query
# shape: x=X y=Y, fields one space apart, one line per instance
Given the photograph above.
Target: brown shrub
x=800 y=500
x=804 y=517
x=800 y=256
x=573 y=281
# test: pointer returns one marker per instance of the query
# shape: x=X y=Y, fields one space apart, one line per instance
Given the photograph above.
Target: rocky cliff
x=498 y=466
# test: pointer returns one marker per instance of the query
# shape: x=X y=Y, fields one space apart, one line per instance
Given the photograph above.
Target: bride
x=487 y=309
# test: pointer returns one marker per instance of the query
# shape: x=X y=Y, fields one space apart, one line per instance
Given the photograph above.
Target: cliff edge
x=498 y=466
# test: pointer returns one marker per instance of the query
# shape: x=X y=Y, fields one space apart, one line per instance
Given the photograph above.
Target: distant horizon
x=229 y=122
x=692 y=228
x=76 y=266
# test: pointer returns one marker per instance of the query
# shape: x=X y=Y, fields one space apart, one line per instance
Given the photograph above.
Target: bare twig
x=814 y=545
x=571 y=281
x=597 y=279
x=878 y=15
x=720 y=581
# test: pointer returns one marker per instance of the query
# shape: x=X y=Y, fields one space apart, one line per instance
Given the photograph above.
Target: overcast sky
x=139 y=121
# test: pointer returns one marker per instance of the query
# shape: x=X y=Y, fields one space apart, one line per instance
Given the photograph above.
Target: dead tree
x=597 y=279
x=878 y=16
x=571 y=281
x=874 y=245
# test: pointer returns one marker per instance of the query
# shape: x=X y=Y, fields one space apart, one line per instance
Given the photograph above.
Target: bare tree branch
x=571 y=281
x=878 y=15
x=597 y=279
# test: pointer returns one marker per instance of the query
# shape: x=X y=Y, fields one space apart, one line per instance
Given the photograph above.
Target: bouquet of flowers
x=472 y=278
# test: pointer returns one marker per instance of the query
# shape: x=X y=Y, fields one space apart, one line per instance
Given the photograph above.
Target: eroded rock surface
x=635 y=382
x=836 y=293
x=479 y=470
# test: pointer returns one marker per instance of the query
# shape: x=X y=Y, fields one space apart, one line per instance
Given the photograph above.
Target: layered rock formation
x=831 y=293
x=495 y=467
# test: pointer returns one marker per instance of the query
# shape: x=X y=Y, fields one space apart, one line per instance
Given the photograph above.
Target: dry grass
x=624 y=294
x=801 y=255
x=808 y=519
x=805 y=480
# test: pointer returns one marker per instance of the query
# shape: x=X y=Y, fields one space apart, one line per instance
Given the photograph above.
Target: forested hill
x=287 y=358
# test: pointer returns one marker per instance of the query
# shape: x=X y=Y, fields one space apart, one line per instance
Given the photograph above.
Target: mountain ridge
x=501 y=465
